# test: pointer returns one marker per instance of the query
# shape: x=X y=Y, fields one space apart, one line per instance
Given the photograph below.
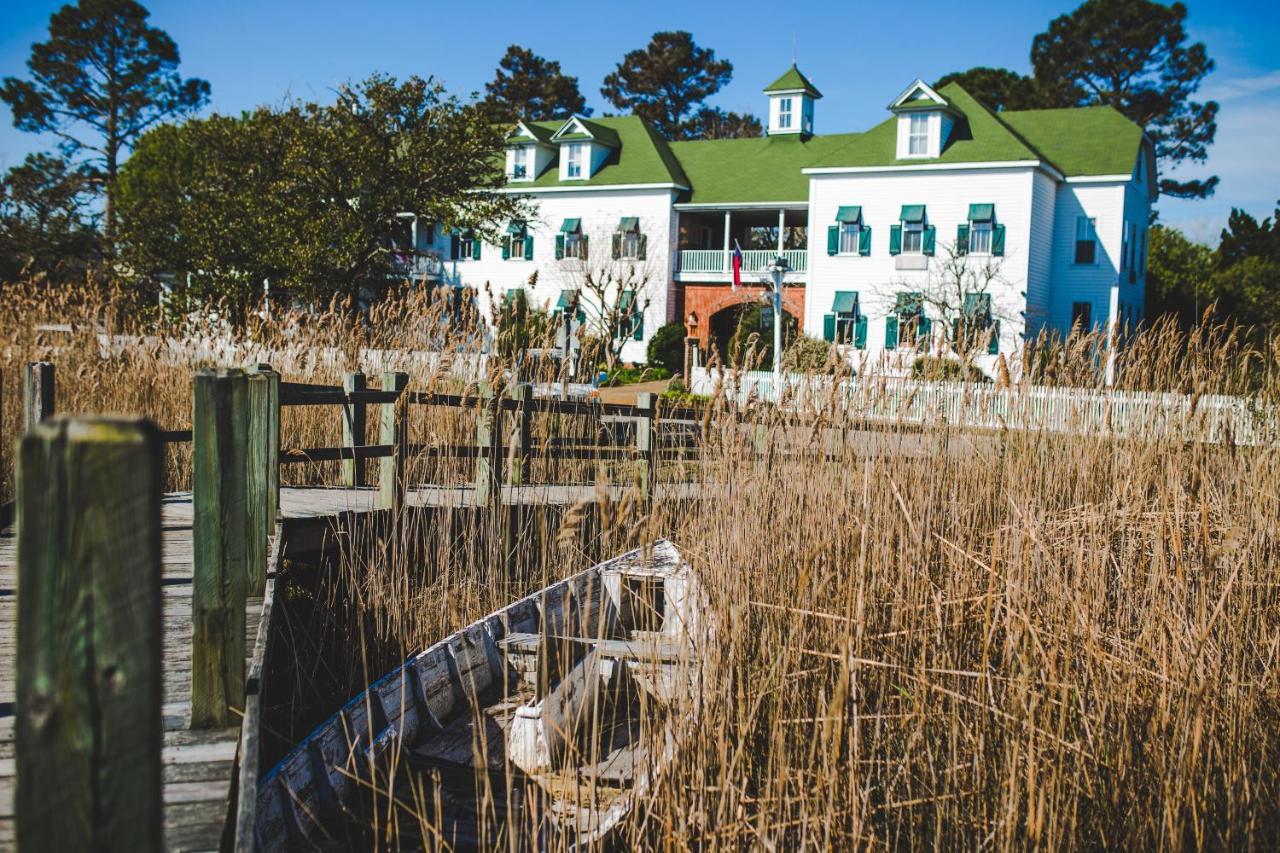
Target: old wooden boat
x=539 y=726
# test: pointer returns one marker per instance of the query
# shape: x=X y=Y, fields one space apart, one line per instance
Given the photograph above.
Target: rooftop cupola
x=791 y=99
x=925 y=121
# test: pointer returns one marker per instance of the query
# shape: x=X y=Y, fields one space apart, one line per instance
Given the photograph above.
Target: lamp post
x=777 y=270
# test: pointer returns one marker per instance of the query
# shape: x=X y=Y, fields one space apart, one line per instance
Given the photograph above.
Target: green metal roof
x=982 y=212
x=629 y=223
x=571 y=226
x=793 y=81
x=540 y=134
x=759 y=169
x=849 y=213
x=912 y=213
x=846 y=302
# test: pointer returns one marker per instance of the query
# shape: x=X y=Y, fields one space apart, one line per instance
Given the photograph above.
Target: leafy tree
x=529 y=87
x=1244 y=237
x=103 y=77
x=45 y=226
x=715 y=123
x=1178 y=273
x=666 y=81
x=666 y=348
x=1132 y=55
x=1001 y=89
x=311 y=196
x=1249 y=292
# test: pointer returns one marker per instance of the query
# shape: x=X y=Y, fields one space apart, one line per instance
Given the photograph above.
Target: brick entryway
x=700 y=302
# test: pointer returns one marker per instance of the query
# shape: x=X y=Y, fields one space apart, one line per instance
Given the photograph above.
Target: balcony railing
x=753 y=260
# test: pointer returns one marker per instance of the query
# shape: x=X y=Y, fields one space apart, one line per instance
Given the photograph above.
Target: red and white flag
x=737 y=266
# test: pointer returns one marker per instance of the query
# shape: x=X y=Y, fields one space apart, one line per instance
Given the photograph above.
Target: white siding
x=600 y=211
x=1040 y=254
x=1072 y=282
x=947 y=196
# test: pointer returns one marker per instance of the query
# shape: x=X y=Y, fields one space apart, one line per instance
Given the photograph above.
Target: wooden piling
x=89 y=723
x=393 y=430
x=37 y=394
x=522 y=394
x=221 y=543
x=353 y=430
x=263 y=469
x=646 y=403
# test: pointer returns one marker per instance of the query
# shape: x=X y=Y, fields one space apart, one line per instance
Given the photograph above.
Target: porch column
x=782 y=231
x=724 y=261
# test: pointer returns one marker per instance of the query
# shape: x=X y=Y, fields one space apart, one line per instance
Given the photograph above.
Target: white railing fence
x=753 y=260
x=1082 y=411
x=702 y=260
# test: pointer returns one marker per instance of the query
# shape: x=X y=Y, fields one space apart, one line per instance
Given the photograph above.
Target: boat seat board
x=638 y=650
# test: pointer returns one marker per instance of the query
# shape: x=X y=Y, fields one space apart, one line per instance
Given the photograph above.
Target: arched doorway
x=746 y=328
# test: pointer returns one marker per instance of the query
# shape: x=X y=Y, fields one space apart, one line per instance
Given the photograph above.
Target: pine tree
x=666 y=81
x=532 y=88
x=103 y=77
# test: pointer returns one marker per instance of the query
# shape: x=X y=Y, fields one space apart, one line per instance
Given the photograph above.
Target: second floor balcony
x=708 y=238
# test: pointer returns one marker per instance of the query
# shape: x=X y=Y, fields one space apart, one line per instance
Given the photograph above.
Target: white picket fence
x=1208 y=418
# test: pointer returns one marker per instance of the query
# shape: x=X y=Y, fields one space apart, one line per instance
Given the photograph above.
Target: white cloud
x=1234 y=88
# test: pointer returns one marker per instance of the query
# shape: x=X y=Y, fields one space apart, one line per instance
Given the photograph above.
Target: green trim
x=829 y=328
x=982 y=213
x=793 y=81
x=516 y=228
x=845 y=302
x=912 y=213
x=849 y=213
x=864 y=240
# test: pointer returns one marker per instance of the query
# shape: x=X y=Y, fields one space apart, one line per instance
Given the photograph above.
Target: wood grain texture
x=89 y=634
x=38 y=394
x=353 y=429
x=221 y=543
x=393 y=429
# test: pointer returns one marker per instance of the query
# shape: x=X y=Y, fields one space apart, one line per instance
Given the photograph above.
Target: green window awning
x=846 y=302
x=629 y=223
x=982 y=212
x=849 y=213
x=912 y=213
x=567 y=298
x=625 y=300
x=515 y=228
x=909 y=303
x=977 y=304
x=571 y=226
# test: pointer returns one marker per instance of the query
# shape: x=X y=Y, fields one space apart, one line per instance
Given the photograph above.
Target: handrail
x=293 y=455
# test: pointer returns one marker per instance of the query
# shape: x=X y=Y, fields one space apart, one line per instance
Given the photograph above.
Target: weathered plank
x=37 y=394
x=393 y=429
x=89 y=731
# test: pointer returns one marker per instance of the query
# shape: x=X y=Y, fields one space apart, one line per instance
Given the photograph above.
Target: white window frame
x=785 y=112
x=915 y=136
x=573 y=244
x=980 y=238
x=1090 y=224
x=630 y=248
x=574 y=160
x=515 y=245
x=913 y=228
x=850 y=236
x=846 y=327
x=520 y=163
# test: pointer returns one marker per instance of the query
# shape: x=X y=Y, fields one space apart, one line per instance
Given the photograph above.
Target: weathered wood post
x=647 y=459
x=353 y=430
x=393 y=429
x=262 y=475
x=522 y=394
x=489 y=448
x=88 y=725
x=37 y=394
x=221 y=544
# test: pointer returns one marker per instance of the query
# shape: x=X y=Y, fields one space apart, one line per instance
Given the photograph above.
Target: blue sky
x=260 y=52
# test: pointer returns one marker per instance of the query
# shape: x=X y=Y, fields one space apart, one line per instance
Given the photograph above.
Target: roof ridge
x=1003 y=124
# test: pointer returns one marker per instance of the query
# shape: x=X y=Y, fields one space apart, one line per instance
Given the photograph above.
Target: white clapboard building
x=945 y=220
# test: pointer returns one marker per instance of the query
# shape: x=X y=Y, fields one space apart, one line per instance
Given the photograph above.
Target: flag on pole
x=737 y=266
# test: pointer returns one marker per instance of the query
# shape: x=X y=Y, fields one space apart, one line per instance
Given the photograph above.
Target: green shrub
x=632 y=375
x=935 y=369
x=666 y=348
x=808 y=355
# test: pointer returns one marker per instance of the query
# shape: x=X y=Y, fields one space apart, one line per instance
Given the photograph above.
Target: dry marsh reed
x=927 y=638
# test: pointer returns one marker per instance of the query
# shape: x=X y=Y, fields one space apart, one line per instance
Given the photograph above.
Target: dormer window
x=784 y=113
x=918 y=136
x=575 y=152
x=519 y=163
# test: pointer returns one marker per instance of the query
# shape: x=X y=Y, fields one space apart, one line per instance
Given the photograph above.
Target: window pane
x=912 y=238
x=849 y=239
x=980 y=238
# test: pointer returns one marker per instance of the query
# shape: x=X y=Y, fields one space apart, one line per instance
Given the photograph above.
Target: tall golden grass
x=931 y=640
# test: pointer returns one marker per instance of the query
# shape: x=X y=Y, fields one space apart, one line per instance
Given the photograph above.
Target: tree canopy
x=101 y=80
x=667 y=81
x=312 y=196
x=527 y=86
x=46 y=227
x=1131 y=55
